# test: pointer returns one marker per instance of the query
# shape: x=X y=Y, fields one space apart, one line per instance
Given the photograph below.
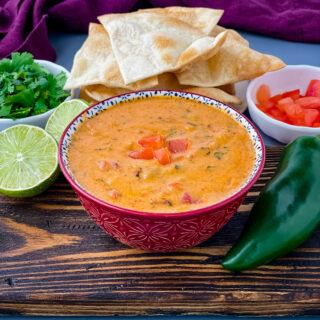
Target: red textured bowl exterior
x=162 y=232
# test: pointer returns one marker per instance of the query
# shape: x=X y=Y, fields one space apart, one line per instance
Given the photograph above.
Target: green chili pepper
x=287 y=210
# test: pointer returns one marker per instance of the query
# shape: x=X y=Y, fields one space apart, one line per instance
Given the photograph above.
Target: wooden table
x=54 y=260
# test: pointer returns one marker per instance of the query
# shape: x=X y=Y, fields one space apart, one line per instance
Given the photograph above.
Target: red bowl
x=161 y=231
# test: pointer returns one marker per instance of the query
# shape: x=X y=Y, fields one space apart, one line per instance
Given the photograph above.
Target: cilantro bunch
x=28 y=89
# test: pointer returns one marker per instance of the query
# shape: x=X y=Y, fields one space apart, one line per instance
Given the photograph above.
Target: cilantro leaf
x=40 y=107
x=24 y=98
x=4 y=110
x=21 y=113
x=61 y=79
x=18 y=60
x=27 y=88
x=5 y=65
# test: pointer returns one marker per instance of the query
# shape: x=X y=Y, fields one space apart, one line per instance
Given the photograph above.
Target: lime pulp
x=28 y=161
x=63 y=115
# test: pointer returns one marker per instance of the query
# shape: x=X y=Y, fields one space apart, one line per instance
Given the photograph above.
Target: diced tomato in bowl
x=291 y=107
x=285 y=104
x=313 y=89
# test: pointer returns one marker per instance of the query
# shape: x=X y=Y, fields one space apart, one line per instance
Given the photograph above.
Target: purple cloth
x=24 y=23
x=293 y=20
x=23 y=28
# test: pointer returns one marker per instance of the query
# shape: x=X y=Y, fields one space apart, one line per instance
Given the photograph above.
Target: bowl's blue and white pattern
x=103 y=105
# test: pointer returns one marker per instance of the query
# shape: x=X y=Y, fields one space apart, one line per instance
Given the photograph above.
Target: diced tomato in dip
x=178 y=145
x=154 y=142
x=186 y=198
x=153 y=149
x=163 y=155
x=144 y=153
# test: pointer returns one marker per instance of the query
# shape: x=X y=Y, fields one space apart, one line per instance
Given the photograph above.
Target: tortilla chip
x=204 y=19
x=167 y=81
x=100 y=92
x=236 y=36
x=83 y=95
x=234 y=62
x=95 y=63
x=147 y=44
x=216 y=94
x=225 y=94
x=216 y=30
x=229 y=88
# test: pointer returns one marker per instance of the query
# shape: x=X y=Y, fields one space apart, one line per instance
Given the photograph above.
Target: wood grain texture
x=54 y=260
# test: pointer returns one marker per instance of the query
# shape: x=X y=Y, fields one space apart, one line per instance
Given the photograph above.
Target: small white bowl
x=39 y=120
x=286 y=79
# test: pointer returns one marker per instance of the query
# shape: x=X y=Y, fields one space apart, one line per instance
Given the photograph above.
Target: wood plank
x=54 y=260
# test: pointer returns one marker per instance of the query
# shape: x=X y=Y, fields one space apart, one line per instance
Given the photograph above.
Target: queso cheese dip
x=161 y=154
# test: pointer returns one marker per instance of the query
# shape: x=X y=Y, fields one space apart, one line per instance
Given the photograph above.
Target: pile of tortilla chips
x=171 y=48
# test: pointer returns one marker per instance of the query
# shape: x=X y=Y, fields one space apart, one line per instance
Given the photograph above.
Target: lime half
x=28 y=161
x=63 y=115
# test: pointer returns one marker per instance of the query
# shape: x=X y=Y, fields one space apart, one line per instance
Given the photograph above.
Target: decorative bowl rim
x=158 y=215
x=252 y=105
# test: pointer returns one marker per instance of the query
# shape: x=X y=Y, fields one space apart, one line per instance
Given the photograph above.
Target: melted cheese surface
x=219 y=159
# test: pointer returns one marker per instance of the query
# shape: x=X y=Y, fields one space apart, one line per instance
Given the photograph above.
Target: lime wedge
x=28 y=161
x=62 y=116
